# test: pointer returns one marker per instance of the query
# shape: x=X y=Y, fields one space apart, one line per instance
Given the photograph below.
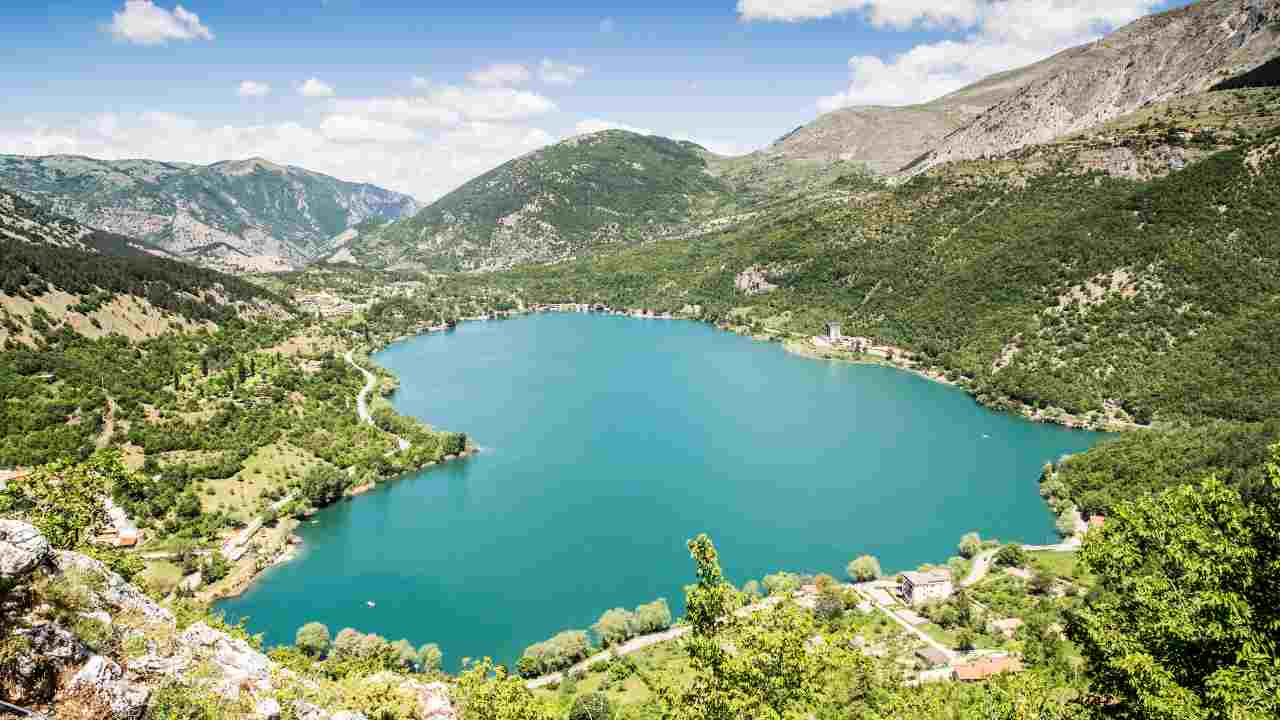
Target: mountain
x=249 y=214
x=59 y=273
x=604 y=189
x=1155 y=58
x=1130 y=272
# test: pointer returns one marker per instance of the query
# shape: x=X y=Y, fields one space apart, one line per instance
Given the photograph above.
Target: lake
x=607 y=443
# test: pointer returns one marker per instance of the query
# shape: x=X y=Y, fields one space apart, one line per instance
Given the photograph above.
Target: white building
x=919 y=588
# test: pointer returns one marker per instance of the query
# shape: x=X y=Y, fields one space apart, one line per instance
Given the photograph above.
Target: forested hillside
x=601 y=190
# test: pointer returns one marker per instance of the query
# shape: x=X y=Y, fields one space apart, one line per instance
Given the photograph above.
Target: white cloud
x=408 y=111
x=142 y=22
x=360 y=128
x=595 y=125
x=314 y=88
x=253 y=88
x=1005 y=34
x=608 y=25
x=417 y=82
x=883 y=13
x=500 y=75
x=558 y=73
x=350 y=147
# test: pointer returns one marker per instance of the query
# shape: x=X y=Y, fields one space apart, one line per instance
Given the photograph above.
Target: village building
x=920 y=588
x=833 y=331
x=6 y=476
x=987 y=667
x=932 y=656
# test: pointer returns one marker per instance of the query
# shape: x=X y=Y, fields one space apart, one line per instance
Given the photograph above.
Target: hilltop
x=247 y=214
x=611 y=188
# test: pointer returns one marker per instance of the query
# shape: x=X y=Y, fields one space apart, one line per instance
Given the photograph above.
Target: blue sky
x=420 y=96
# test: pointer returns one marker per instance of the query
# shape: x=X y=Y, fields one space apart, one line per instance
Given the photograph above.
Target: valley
x=257 y=421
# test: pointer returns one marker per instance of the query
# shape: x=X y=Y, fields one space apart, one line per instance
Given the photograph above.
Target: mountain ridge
x=267 y=215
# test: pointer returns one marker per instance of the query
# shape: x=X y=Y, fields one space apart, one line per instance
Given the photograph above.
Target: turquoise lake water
x=608 y=442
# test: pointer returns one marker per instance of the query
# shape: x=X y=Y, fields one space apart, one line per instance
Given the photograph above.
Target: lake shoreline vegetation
x=168 y=428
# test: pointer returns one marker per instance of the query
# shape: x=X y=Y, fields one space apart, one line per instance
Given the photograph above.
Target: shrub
x=970 y=545
x=592 y=706
x=1011 y=556
x=313 y=639
x=864 y=569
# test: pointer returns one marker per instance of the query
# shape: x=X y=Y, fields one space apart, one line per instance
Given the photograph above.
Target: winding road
x=362 y=405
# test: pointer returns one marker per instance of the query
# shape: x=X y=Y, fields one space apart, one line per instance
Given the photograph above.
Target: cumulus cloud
x=1004 y=34
x=314 y=88
x=500 y=75
x=424 y=164
x=363 y=129
x=595 y=125
x=142 y=22
x=558 y=73
x=882 y=13
x=253 y=88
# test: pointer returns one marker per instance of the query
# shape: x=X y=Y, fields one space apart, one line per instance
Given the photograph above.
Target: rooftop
x=928 y=578
x=989 y=666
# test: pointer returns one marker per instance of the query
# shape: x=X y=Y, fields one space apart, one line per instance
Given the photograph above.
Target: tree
x=864 y=569
x=591 y=706
x=64 y=500
x=652 y=617
x=1011 y=555
x=614 y=627
x=485 y=692
x=1183 y=621
x=769 y=674
x=752 y=590
x=781 y=583
x=970 y=545
x=406 y=657
x=313 y=639
x=429 y=658
x=347 y=643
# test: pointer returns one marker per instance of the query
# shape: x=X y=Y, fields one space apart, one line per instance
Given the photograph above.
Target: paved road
x=950 y=654
x=981 y=566
x=637 y=644
x=362 y=406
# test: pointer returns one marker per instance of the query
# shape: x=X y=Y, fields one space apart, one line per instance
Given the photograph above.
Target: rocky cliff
x=1154 y=59
x=77 y=641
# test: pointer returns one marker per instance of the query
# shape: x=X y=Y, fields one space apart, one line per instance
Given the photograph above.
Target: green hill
x=586 y=193
x=1047 y=283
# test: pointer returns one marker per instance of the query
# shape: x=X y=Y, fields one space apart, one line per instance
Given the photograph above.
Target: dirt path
x=108 y=425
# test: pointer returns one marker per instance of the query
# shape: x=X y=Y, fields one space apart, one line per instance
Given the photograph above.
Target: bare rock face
x=753 y=281
x=1154 y=59
x=51 y=652
x=114 y=595
x=104 y=679
x=240 y=666
x=22 y=549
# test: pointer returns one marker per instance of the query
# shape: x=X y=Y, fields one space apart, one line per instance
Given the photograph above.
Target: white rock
x=103 y=677
x=114 y=594
x=238 y=661
x=22 y=548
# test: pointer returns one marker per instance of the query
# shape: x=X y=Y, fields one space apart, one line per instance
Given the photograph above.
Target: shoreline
x=795 y=345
